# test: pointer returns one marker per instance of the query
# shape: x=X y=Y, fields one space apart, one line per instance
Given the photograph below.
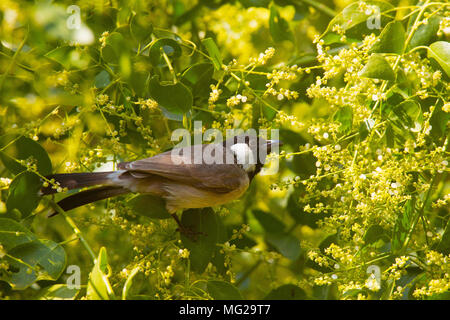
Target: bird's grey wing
x=181 y=167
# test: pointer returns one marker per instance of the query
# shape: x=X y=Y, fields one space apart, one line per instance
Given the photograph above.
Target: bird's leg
x=175 y=216
x=186 y=231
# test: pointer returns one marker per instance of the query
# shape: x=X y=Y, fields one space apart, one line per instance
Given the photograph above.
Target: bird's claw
x=190 y=233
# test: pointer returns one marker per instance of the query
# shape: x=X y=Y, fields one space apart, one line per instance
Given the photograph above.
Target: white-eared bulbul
x=196 y=176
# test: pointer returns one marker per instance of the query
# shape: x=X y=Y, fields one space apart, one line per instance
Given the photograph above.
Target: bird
x=196 y=176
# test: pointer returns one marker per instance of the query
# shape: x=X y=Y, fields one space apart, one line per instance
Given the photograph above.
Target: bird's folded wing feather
x=181 y=167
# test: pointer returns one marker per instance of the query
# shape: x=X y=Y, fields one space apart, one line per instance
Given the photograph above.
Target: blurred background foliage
x=358 y=90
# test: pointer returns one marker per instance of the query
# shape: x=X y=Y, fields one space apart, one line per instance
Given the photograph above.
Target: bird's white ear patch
x=244 y=156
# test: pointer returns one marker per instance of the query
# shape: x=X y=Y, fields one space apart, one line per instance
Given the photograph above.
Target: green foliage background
x=358 y=90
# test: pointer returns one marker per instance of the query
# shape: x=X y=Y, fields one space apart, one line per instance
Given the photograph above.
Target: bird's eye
x=247 y=139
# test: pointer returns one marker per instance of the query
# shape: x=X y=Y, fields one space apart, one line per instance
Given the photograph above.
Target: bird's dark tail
x=84 y=197
x=76 y=180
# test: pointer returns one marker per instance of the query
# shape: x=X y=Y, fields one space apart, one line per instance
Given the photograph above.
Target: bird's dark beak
x=273 y=144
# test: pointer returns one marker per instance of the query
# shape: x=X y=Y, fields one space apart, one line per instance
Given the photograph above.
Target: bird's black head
x=250 y=151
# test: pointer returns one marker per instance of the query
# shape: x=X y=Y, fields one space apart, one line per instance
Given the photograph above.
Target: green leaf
x=353 y=14
x=139 y=82
x=375 y=233
x=169 y=46
x=204 y=223
x=61 y=55
x=390 y=136
x=364 y=129
x=403 y=225
x=189 y=15
x=439 y=121
x=304 y=166
x=69 y=57
x=279 y=27
x=58 y=292
x=149 y=206
x=331 y=38
x=269 y=113
x=287 y=244
x=357 y=22
x=23 y=149
x=269 y=222
x=345 y=117
x=444 y=245
x=125 y=66
x=377 y=67
x=176 y=98
x=391 y=39
x=23 y=193
x=425 y=33
x=99 y=287
x=123 y=16
x=218 y=259
x=102 y=79
x=297 y=212
x=13 y=234
x=129 y=283
x=409 y=112
x=213 y=52
x=440 y=51
x=33 y=261
x=198 y=78
x=221 y=290
x=178 y=8
x=286 y=292
x=115 y=47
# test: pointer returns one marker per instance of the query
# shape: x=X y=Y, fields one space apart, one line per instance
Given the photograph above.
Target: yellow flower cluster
x=214 y=95
x=239 y=233
x=372 y=283
x=103 y=39
x=184 y=253
x=149 y=104
x=168 y=274
x=318 y=258
x=282 y=118
x=235 y=100
x=282 y=93
x=235 y=26
x=4 y=182
x=440 y=270
x=263 y=57
x=446 y=107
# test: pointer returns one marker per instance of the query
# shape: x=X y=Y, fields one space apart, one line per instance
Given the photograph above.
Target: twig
x=75 y=229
